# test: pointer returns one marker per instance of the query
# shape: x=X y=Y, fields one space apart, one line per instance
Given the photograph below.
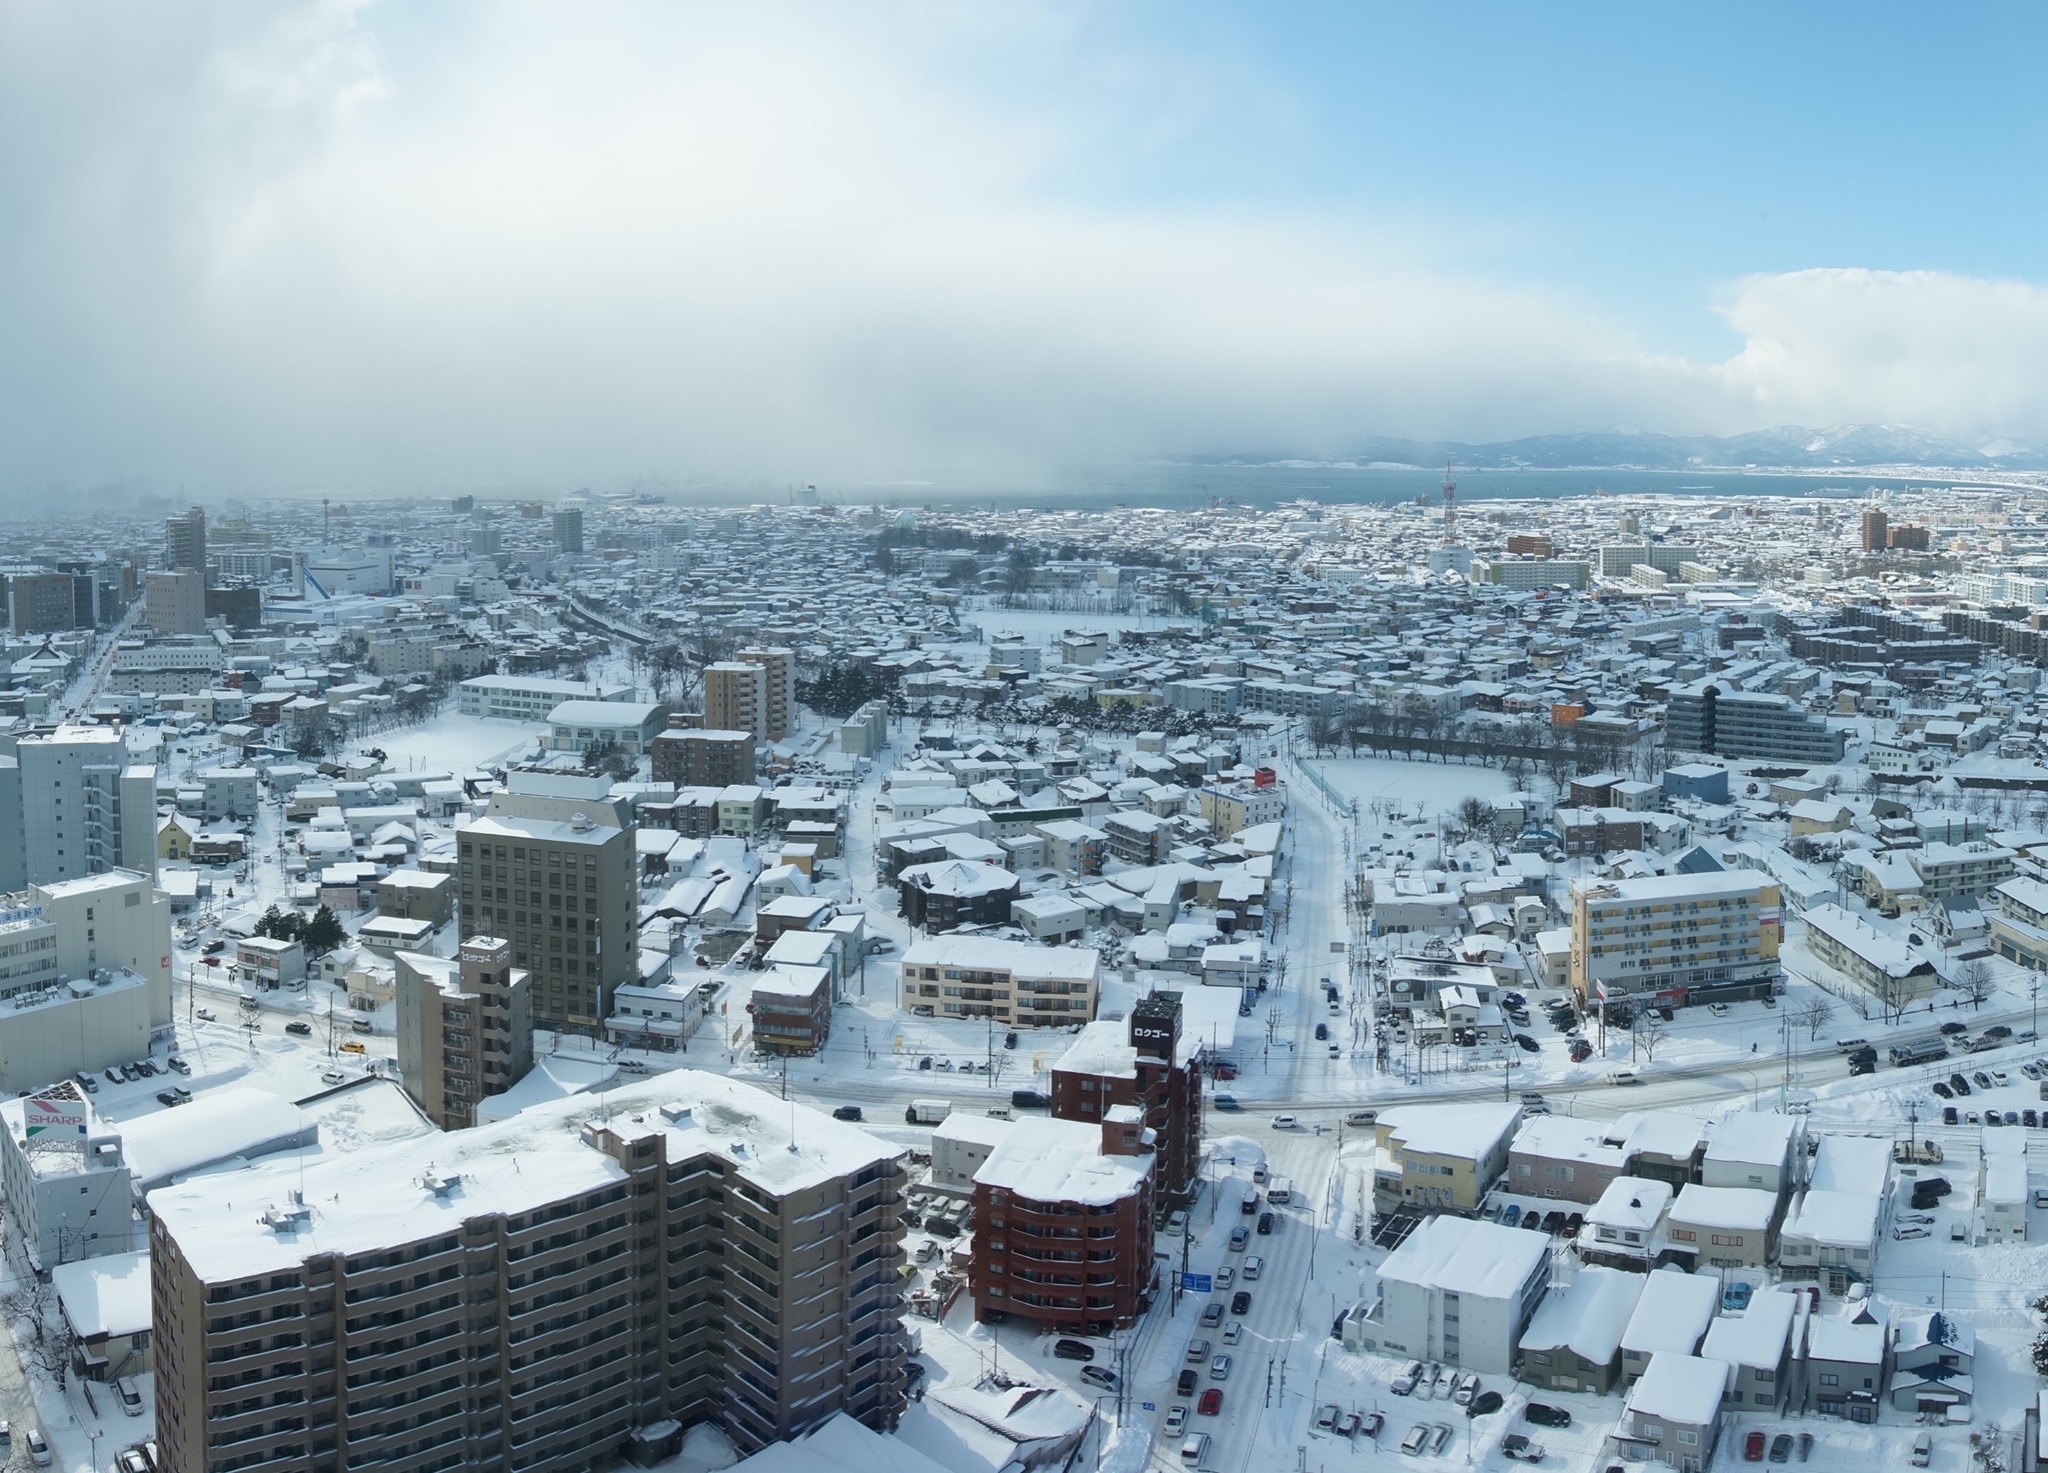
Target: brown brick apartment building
x=1143 y=1063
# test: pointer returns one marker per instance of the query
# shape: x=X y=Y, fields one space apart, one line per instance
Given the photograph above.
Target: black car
x=1942 y=1090
x=1241 y=1302
x=1862 y=1066
x=1529 y=1045
x=1952 y=1029
x=1029 y=1099
x=1186 y=1384
x=1949 y=1115
x=2029 y=1117
x=1265 y=1223
x=300 y=1027
x=1322 y=1031
x=1513 y=1000
x=1073 y=1350
x=1010 y=1039
x=1545 y=1415
x=846 y=1112
x=1484 y=1403
x=1959 y=1084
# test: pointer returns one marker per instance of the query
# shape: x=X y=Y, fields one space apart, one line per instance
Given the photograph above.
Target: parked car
x=1073 y=1350
x=1735 y=1297
x=1102 y=1376
x=1942 y=1091
x=38 y=1449
x=1959 y=1084
x=1545 y=1415
x=179 y=1064
x=1950 y=1115
x=1326 y=1417
x=1467 y=1388
x=1404 y=1380
x=1417 y=1436
x=1517 y=1445
x=1485 y=1404
x=1902 y=1234
x=1753 y=1447
x=1781 y=1448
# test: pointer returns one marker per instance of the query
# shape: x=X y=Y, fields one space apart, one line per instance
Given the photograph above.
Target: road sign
x=1150 y=1406
x=1197 y=1283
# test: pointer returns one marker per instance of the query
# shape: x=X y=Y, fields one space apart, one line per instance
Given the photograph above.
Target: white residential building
x=1459 y=1291
x=85 y=807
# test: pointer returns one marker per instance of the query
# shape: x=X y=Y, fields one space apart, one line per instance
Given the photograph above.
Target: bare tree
x=1974 y=981
x=1813 y=1016
x=1475 y=814
x=1646 y=1032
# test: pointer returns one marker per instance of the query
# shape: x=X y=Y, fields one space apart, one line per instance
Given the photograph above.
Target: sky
x=253 y=247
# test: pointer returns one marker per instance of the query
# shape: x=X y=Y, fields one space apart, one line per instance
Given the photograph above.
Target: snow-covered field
x=455 y=743
x=1419 y=789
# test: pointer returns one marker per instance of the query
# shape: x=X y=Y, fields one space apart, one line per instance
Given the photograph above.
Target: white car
x=1287 y=1122
x=1176 y=1420
x=1224 y=1276
x=1198 y=1351
x=1911 y=1230
x=1234 y=1333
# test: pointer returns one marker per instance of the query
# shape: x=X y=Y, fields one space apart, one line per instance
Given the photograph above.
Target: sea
x=1195 y=486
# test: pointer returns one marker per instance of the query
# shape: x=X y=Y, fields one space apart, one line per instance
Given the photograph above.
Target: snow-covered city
x=1544 y=981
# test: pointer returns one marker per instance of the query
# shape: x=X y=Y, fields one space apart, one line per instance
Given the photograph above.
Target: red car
x=1753 y=1448
x=1211 y=1403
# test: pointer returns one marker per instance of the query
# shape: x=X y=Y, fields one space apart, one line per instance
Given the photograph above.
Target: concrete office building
x=69 y=1193
x=43 y=603
x=185 y=542
x=85 y=808
x=465 y=1028
x=551 y=868
x=1725 y=722
x=540 y=1295
x=1875 y=526
x=569 y=530
x=1676 y=939
x=702 y=757
x=174 y=603
x=736 y=698
x=779 y=689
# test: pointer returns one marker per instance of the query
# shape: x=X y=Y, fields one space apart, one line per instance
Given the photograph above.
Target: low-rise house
x=1440 y=1158
x=1624 y=1229
x=1751 y=1149
x=1832 y=1231
x=1933 y=1355
x=1671 y=1317
x=1722 y=1227
x=1663 y=1145
x=1876 y=959
x=792 y=1009
x=1757 y=1344
x=1574 y=1341
x=1845 y=1361
x=1674 y=1411
x=1563 y=1158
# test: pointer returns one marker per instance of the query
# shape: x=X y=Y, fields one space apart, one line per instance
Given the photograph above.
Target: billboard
x=52 y=1117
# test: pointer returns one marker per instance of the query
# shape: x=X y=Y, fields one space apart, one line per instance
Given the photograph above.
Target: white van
x=1923 y=1449
x=1194 y=1450
x=131 y=1399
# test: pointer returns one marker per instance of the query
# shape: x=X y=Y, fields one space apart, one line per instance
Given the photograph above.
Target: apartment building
x=85 y=807
x=554 y=874
x=1727 y=722
x=465 y=1028
x=1461 y=1292
x=174 y=603
x=576 y=726
x=736 y=698
x=1960 y=871
x=1146 y=1062
x=1676 y=938
x=1879 y=961
x=1013 y=982
x=702 y=757
x=535 y=1295
x=1239 y=806
x=44 y=603
x=1440 y=1158
x=778 y=689
x=1063 y=1213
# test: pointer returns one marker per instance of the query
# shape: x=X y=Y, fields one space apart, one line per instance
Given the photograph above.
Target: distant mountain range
x=1785 y=447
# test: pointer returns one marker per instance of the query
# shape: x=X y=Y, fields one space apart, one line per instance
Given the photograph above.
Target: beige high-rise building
x=550 y=868
x=185 y=541
x=465 y=1028
x=174 y=603
x=540 y=1295
x=779 y=711
x=736 y=698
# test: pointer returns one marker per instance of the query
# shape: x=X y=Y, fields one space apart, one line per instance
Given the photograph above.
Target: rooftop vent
x=287 y=1219
x=440 y=1183
x=676 y=1114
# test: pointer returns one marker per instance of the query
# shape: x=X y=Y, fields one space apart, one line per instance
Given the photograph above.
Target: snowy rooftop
x=1750 y=1138
x=377 y=1197
x=1587 y=1316
x=1631 y=1202
x=1758 y=1335
x=1683 y=1389
x=107 y=1295
x=1563 y=1138
x=1103 y=1049
x=218 y=1125
x=1664 y=1133
x=1674 y=887
x=1743 y=1208
x=1019 y=958
x=1837 y=1219
x=966 y=1125
x=1467 y=1257
x=1046 y=1160
x=1845 y=1337
x=1467 y=1131
x=1673 y=1313
x=1851 y=1163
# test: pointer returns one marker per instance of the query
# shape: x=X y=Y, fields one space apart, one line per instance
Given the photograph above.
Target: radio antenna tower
x=1450 y=502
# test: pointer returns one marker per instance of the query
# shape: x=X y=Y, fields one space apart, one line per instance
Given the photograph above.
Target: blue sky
x=341 y=244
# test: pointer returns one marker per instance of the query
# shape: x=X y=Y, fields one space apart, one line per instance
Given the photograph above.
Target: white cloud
x=335 y=247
